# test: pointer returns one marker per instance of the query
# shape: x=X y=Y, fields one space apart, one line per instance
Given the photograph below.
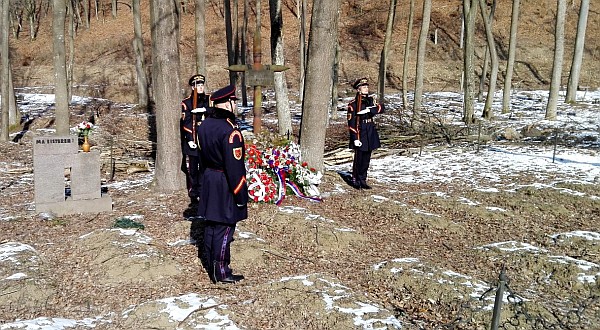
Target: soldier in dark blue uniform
x=363 y=133
x=193 y=111
x=224 y=194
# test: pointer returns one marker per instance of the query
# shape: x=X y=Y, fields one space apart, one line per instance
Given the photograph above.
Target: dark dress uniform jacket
x=189 y=121
x=362 y=127
x=224 y=182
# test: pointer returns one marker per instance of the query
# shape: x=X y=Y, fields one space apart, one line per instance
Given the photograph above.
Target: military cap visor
x=360 y=82
x=224 y=94
x=197 y=79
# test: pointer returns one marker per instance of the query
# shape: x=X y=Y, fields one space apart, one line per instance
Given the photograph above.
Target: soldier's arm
x=187 y=123
x=235 y=167
x=353 y=123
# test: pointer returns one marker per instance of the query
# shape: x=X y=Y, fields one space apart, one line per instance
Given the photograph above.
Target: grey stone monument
x=53 y=158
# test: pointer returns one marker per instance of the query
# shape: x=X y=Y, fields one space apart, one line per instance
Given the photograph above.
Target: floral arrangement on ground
x=276 y=172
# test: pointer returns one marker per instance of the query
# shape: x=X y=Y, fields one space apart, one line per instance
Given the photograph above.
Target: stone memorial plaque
x=55 y=158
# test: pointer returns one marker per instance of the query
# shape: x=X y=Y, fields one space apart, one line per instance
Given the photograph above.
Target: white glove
x=192 y=144
x=362 y=112
x=357 y=143
x=197 y=110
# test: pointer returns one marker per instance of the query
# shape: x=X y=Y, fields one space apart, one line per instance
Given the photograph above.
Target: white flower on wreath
x=311 y=180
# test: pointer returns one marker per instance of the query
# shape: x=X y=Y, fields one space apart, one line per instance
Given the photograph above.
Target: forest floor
x=417 y=251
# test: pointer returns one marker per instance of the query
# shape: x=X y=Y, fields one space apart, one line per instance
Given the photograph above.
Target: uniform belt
x=215 y=169
x=370 y=120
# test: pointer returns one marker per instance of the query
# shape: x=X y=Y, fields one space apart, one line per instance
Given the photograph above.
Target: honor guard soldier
x=363 y=133
x=193 y=111
x=224 y=194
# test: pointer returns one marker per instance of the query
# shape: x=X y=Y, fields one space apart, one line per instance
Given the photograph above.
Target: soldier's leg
x=185 y=167
x=365 y=160
x=222 y=252
x=194 y=174
x=356 y=169
x=208 y=254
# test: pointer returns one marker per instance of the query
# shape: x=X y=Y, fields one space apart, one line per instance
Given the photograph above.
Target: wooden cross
x=257 y=74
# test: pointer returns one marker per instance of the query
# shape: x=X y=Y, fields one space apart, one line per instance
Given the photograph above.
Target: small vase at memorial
x=86 y=146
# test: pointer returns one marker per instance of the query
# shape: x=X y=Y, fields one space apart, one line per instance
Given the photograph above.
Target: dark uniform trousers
x=217 y=241
x=360 y=166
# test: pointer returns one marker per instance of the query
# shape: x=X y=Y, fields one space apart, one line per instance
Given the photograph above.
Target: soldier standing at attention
x=193 y=112
x=224 y=197
x=363 y=133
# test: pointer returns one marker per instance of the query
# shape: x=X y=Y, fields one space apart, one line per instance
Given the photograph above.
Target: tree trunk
x=486 y=59
x=138 y=50
x=243 y=51
x=284 y=119
x=573 y=84
x=61 y=90
x=321 y=55
x=14 y=115
x=421 y=59
x=559 y=46
x=411 y=12
x=302 y=47
x=86 y=13
x=71 y=62
x=487 y=109
x=165 y=58
x=229 y=39
x=469 y=11
x=386 y=49
x=236 y=35
x=4 y=51
x=256 y=65
x=200 y=37
x=335 y=83
x=512 y=47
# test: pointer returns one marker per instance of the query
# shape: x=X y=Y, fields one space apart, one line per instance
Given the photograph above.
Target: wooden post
x=257 y=66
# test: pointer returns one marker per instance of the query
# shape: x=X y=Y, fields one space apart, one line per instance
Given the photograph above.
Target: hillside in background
x=104 y=64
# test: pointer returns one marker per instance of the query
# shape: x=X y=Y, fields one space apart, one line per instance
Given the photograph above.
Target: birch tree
x=411 y=11
x=321 y=56
x=4 y=69
x=164 y=19
x=559 y=45
x=386 y=49
x=138 y=50
x=302 y=46
x=14 y=115
x=469 y=12
x=573 y=83
x=421 y=48
x=487 y=55
x=510 y=63
x=487 y=109
x=282 y=104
